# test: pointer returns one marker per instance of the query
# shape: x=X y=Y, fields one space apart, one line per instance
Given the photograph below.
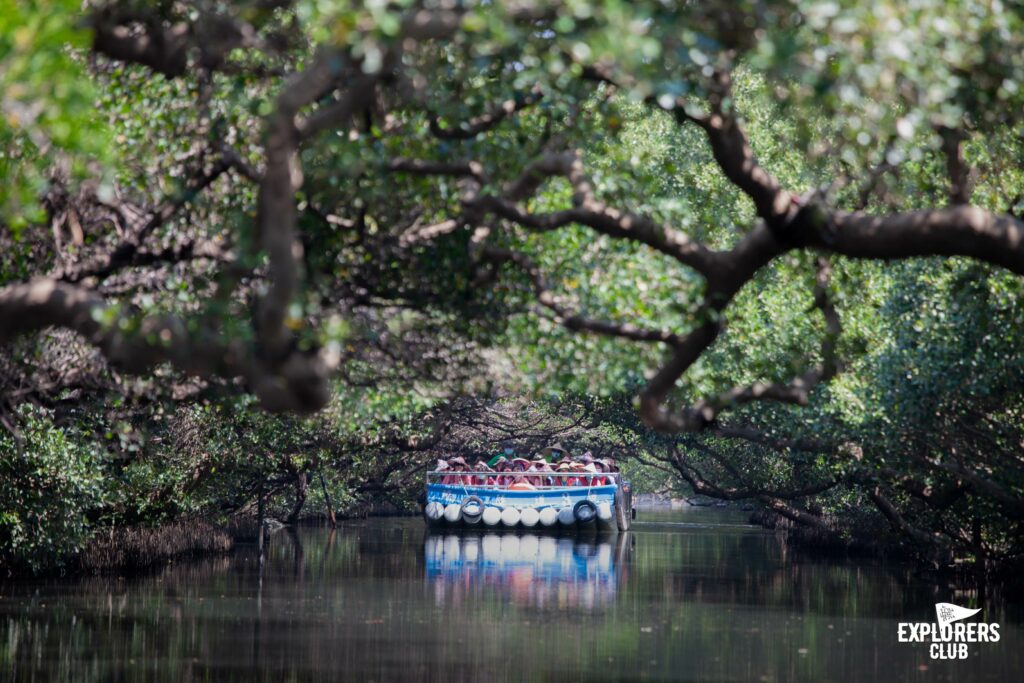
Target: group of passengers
x=551 y=467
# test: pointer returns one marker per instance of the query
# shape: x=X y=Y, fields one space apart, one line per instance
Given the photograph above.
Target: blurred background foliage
x=840 y=100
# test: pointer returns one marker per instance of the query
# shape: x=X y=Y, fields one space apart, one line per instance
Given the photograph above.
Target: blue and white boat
x=532 y=500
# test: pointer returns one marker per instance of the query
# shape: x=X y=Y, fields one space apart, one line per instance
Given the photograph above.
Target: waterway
x=692 y=595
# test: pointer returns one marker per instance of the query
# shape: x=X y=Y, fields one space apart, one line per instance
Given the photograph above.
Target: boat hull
x=510 y=505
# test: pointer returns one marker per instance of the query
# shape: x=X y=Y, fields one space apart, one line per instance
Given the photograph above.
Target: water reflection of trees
x=759 y=570
x=528 y=570
x=384 y=600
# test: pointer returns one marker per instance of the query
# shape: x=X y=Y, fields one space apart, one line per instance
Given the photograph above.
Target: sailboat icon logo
x=945 y=638
x=947 y=613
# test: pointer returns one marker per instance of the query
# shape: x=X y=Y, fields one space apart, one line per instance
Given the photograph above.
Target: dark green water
x=694 y=595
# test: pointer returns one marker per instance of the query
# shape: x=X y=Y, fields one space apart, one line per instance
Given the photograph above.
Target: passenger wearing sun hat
x=521 y=483
x=554 y=448
x=507 y=451
x=517 y=465
x=501 y=466
x=458 y=464
x=574 y=468
x=447 y=466
x=564 y=467
x=540 y=465
x=481 y=466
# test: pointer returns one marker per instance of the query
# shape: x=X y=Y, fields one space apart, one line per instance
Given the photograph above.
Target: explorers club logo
x=949 y=636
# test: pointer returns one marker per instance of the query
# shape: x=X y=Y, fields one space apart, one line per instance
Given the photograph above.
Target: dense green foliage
x=365 y=211
x=50 y=483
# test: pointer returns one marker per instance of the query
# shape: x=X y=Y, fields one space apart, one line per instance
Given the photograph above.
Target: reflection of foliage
x=679 y=596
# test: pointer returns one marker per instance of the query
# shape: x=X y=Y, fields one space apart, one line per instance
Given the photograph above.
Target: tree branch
x=126 y=253
x=960 y=180
x=161 y=47
x=956 y=231
x=589 y=211
x=732 y=151
x=479 y=124
x=564 y=316
x=899 y=524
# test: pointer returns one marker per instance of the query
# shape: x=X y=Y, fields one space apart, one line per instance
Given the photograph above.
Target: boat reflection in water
x=528 y=570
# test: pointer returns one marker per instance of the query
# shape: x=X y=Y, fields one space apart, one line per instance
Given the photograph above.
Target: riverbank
x=127 y=550
x=139 y=549
x=120 y=549
x=879 y=544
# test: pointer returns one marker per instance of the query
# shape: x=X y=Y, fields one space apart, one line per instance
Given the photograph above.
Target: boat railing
x=539 y=480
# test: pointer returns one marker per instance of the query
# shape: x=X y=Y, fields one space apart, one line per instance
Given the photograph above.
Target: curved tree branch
x=563 y=315
x=477 y=125
x=281 y=375
x=587 y=210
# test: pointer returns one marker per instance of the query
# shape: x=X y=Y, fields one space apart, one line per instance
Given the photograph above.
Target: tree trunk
x=327 y=497
x=301 y=486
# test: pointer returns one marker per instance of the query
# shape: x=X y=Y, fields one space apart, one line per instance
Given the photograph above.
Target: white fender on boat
x=565 y=517
x=434 y=510
x=452 y=512
x=604 y=511
x=510 y=517
x=548 y=516
x=529 y=517
x=492 y=516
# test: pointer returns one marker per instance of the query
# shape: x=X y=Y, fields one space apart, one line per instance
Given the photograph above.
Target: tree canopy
x=789 y=228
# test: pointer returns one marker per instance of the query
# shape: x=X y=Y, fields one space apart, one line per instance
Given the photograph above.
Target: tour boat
x=602 y=501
